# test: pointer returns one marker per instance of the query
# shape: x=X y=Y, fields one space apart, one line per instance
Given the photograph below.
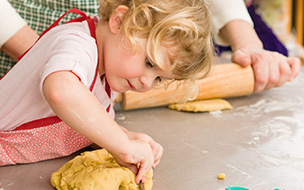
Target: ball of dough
x=96 y=170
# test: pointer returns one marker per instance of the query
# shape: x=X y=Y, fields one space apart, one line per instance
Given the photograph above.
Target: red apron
x=45 y=138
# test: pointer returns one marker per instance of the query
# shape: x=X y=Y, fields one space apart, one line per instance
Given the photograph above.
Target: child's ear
x=115 y=20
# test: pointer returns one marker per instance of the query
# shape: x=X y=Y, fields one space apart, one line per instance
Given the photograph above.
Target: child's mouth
x=131 y=86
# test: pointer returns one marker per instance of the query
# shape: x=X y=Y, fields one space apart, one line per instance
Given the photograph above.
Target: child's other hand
x=139 y=160
x=271 y=69
x=157 y=149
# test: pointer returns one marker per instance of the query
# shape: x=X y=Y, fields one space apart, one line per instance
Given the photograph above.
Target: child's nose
x=148 y=81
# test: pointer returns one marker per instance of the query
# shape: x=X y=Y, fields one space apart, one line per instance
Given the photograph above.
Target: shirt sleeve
x=223 y=11
x=10 y=21
x=76 y=52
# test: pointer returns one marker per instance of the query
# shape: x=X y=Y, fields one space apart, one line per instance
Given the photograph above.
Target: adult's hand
x=271 y=69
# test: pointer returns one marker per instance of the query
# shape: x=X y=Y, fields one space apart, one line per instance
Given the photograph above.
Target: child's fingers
x=158 y=153
x=143 y=170
x=157 y=149
x=156 y=163
x=133 y=168
x=143 y=156
x=140 y=176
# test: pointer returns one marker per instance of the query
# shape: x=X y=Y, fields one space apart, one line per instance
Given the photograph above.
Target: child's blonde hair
x=184 y=26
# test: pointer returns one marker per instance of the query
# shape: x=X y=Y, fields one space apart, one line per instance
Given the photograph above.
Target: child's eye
x=159 y=79
x=148 y=63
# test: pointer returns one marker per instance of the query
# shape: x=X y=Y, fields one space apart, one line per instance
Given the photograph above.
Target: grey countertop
x=258 y=145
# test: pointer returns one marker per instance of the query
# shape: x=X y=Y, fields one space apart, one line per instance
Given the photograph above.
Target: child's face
x=127 y=70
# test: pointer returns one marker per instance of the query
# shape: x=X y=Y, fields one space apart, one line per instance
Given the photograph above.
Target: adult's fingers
x=274 y=71
x=285 y=71
x=241 y=57
x=295 y=65
x=260 y=66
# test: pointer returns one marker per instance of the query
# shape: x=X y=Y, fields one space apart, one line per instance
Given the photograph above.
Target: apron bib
x=46 y=138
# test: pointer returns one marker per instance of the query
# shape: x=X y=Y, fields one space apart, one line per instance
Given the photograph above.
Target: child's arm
x=80 y=109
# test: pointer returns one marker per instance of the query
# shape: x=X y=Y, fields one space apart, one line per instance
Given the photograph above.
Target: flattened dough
x=202 y=105
x=96 y=170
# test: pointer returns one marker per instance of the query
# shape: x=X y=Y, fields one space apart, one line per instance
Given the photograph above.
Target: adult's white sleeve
x=224 y=11
x=10 y=21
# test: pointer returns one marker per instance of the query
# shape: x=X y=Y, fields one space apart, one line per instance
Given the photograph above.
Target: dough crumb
x=221 y=176
x=94 y=170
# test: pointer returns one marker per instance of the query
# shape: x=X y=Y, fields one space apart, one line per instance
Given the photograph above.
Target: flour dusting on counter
x=121 y=117
x=216 y=114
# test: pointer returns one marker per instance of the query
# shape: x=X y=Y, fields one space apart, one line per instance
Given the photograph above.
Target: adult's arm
x=271 y=69
x=222 y=12
x=15 y=35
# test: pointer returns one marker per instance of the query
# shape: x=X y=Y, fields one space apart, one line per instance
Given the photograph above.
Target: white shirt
x=224 y=11
x=10 y=21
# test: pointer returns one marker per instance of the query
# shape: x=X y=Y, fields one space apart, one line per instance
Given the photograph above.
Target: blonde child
x=69 y=79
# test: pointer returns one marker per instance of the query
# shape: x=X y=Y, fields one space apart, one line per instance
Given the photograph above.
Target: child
x=68 y=80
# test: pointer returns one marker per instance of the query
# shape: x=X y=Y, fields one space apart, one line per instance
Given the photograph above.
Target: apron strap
x=79 y=19
x=108 y=90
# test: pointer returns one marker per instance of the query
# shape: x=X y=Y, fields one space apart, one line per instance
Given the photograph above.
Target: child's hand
x=140 y=159
x=157 y=149
x=271 y=69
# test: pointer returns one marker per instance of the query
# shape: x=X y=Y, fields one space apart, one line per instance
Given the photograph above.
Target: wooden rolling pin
x=225 y=80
